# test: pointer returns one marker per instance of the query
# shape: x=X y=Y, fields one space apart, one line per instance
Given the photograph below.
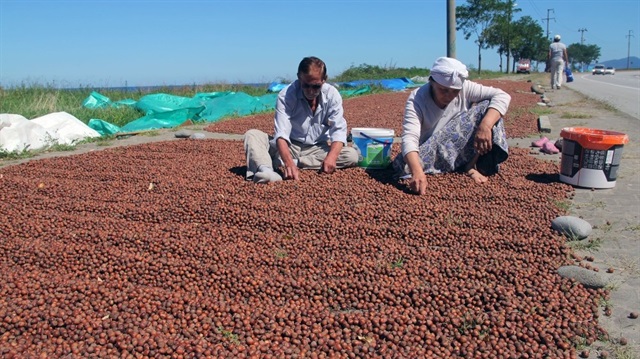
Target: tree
x=583 y=54
x=529 y=41
x=474 y=18
x=501 y=32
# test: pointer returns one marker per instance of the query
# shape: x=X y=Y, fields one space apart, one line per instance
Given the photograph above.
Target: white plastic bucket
x=591 y=157
x=373 y=146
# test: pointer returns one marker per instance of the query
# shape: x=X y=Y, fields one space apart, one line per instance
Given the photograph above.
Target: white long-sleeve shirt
x=556 y=51
x=422 y=117
x=295 y=121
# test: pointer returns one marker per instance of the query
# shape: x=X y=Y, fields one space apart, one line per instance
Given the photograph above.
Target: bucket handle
x=375 y=139
x=595 y=138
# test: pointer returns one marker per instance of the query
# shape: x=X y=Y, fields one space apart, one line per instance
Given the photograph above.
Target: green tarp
x=168 y=111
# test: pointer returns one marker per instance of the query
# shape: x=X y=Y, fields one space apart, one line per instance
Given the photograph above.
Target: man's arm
x=290 y=168
x=329 y=163
x=337 y=130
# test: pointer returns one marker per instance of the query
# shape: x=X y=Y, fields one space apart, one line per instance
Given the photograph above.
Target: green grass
x=16 y=155
x=281 y=253
x=606 y=227
x=541 y=111
x=633 y=228
x=372 y=72
x=229 y=335
x=589 y=244
x=563 y=205
x=390 y=71
x=399 y=263
x=52 y=146
x=570 y=115
x=624 y=352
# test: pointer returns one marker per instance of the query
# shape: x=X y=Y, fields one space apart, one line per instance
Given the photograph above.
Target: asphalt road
x=621 y=90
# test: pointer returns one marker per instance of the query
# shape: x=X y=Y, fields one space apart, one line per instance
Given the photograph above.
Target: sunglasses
x=311 y=86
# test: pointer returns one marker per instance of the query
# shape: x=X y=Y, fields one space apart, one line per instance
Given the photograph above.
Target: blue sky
x=71 y=43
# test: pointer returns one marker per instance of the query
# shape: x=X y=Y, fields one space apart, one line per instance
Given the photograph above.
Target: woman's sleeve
x=411 y=124
x=498 y=99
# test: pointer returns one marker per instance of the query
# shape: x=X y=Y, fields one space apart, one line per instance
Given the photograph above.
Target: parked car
x=610 y=71
x=598 y=70
x=524 y=66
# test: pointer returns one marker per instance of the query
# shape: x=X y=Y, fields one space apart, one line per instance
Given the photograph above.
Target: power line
x=629 y=47
x=547 y=20
x=535 y=8
x=582 y=35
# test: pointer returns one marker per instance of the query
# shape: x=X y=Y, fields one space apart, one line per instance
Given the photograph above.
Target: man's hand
x=290 y=168
x=291 y=171
x=329 y=164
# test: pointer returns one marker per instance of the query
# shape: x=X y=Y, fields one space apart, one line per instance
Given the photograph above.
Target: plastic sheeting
x=96 y=100
x=169 y=111
x=237 y=104
x=18 y=133
x=398 y=84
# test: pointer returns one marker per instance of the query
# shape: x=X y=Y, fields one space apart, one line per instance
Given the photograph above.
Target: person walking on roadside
x=310 y=130
x=558 y=58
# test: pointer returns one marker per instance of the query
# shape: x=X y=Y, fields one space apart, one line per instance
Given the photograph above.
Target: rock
x=544 y=125
x=537 y=89
x=572 y=227
x=586 y=277
x=197 y=136
x=183 y=134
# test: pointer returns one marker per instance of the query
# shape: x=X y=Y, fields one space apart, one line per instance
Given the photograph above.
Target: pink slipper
x=549 y=148
x=540 y=142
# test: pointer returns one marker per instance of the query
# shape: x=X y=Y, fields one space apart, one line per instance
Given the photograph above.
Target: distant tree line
x=491 y=24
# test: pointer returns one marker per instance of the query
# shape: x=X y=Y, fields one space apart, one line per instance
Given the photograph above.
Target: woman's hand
x=482 y=142
x=418 y=183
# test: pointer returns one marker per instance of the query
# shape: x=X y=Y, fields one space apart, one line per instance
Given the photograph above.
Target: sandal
x=540 y=142
x=549 y=148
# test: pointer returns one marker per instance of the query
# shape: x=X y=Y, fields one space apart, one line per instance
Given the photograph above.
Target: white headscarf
x=449 y=72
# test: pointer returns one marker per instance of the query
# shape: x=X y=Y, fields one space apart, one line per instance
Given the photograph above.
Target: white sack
x=65 y=128
x=18 y=134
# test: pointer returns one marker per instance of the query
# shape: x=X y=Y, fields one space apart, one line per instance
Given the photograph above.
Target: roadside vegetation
x=35 y=100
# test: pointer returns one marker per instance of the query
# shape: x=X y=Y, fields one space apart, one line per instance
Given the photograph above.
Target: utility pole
x=582 y=35
x=629 y=48
x=451 y=28
x=547 y=20
x=582 y=43
x=509 y=10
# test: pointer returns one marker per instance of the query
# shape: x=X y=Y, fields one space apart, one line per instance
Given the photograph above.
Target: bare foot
x=478 y=177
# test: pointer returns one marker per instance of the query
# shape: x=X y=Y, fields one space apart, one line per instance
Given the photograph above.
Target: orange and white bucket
x=591 y=157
